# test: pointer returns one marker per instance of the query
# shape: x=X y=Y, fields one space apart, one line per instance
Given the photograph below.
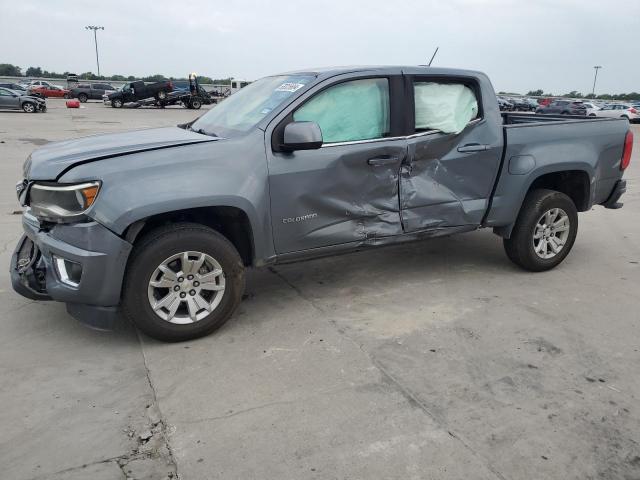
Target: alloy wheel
x=551 y=233
x=186 y=287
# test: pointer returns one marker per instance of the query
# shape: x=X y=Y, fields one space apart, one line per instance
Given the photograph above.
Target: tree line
x=9 y=70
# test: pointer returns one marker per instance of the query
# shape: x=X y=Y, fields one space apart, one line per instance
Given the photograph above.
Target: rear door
x=347 y=190
x=8 y=100
x=453 y=155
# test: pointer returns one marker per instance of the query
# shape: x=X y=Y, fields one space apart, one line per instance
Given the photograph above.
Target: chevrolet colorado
x=160 y=224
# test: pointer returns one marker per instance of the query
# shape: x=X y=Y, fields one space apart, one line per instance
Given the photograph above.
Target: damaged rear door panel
x=447 y=178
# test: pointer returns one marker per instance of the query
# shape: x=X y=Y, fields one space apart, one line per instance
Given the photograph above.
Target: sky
x=521 y=44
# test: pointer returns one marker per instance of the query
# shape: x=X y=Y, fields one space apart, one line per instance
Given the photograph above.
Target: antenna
x=433 y=56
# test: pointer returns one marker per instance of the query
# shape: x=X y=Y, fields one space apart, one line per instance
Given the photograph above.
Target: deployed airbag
x=447 y=107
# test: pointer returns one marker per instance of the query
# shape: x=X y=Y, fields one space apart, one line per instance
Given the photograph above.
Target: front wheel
x=83 y=98
x=117 y=103
x=161 y=95
x=183 y=282
x=196 y=103
x=545 y=231
x=29 y=107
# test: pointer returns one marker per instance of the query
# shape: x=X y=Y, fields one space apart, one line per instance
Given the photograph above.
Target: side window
x=350 y=111
x=446 y=107
x=4 y=93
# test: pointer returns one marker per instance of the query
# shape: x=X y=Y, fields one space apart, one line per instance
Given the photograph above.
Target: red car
x=49 y=91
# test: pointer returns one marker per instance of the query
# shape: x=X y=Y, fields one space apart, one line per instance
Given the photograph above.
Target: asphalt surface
x=436 y=360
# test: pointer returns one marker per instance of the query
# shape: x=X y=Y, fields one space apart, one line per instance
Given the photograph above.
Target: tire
x=196 y=103
x=592 y=114
x=66 y=96
x=116 y=103
x=83 y=98
x=521 y=247
x=161 y=95
x=157 y=248
x=29 y=107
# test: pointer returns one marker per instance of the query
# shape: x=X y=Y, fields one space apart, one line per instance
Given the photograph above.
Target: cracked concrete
x=432 y=360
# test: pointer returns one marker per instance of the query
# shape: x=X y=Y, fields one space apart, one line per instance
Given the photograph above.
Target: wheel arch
x=574 y=181
x=230 y=221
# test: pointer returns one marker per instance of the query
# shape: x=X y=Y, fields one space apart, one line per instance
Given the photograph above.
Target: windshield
x=244 y=109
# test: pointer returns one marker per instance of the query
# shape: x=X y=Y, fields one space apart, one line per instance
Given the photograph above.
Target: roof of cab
x=326 y=72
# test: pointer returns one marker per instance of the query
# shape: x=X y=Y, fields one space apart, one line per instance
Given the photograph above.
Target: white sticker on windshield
x=289 y=87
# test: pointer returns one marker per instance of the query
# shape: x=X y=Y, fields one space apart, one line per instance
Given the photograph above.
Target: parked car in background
x=614 y=110
x=592 y=108
x=563 y=107
x=131 y=92
x=15 y=86
x=51 y=91
x=40 y=83
x=519 y=104
x=533 y=103
x=161 y=223
x=94 y=91
x=16 y=100
x=504 y=105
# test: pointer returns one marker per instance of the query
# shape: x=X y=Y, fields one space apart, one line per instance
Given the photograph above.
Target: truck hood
x=53 y=159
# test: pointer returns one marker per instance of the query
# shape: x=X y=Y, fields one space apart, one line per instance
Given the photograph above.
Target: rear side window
x=350 y=111
x=446 y=107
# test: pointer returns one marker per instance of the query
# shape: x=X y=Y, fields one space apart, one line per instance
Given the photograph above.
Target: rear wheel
x=183 y=281
x=83 y=97
x=545 y=231
x=29 y=107
x=196 y=103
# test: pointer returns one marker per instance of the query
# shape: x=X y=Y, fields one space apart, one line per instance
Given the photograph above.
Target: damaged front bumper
x=80 y=264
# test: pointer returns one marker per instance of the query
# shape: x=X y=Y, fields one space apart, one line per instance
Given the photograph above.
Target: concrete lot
x=436 y=360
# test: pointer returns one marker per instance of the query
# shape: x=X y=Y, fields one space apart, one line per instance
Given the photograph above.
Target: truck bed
x=528 y=118
x=540 y=144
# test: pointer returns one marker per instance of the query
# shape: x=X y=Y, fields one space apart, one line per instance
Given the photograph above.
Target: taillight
x=633 y=110
x=626 y=151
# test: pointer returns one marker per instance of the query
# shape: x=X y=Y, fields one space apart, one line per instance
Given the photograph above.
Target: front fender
x=225 y=173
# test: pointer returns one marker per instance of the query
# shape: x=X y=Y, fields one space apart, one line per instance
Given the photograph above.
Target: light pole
x=595 y=77
x=95 y=39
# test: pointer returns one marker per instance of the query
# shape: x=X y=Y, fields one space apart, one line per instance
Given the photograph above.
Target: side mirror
x=302 y=136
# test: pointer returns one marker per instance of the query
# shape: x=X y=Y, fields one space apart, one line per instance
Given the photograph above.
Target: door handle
x=379 y=161
x=473 y=147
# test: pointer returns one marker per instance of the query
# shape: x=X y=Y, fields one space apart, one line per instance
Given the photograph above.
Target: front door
x=453 y=156
x=347 y=190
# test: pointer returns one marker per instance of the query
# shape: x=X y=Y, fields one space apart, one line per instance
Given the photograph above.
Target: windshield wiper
x=202 y=131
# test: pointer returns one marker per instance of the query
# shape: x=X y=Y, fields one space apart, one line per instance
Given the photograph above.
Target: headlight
x=62 y=203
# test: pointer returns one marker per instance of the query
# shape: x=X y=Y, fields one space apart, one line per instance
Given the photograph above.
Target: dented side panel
x=333 y=195
x=443 y=187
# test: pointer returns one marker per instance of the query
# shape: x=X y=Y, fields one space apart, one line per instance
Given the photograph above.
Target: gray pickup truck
x=160 y=224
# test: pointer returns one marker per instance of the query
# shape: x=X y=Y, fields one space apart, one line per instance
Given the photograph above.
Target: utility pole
x=95 y=39
x=595 y=77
